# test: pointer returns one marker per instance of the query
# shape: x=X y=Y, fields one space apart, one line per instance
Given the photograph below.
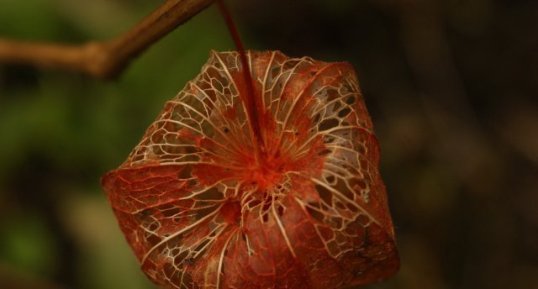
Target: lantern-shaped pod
x=275 y=188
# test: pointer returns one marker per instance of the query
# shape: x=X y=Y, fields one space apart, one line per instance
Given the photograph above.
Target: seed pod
x=279 y=189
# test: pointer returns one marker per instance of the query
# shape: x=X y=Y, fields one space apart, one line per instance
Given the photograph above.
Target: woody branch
x=105 y=59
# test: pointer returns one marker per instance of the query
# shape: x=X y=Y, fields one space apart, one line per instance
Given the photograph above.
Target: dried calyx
x=203 y=208
x=261 y=173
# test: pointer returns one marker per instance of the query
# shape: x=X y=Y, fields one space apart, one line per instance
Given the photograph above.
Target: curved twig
x=106 y=59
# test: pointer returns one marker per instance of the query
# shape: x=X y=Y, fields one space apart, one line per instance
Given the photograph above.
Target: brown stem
x=250 y=98
x=105 y=59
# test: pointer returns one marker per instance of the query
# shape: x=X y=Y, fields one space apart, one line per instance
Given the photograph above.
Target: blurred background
x=452 y=87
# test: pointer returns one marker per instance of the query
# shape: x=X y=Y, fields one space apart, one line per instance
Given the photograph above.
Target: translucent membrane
x=206 y=201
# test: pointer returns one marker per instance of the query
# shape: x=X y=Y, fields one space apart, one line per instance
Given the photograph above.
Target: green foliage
x=60 y=132
x=27 y=244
